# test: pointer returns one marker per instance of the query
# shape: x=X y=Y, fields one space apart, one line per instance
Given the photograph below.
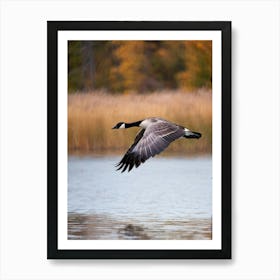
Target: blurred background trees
x=139 y=66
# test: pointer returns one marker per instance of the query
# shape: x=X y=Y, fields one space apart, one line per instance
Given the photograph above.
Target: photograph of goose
x=139 y=140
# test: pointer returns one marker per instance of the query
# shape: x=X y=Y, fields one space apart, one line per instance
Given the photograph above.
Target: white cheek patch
x=122 y=126
x=186 y=129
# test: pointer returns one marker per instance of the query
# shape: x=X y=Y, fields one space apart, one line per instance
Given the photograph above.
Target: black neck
x=128 y=125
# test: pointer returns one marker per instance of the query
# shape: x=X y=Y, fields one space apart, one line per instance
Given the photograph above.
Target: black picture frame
x=53 y=27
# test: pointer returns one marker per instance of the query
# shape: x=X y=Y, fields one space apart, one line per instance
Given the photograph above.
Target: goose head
x=119 y=125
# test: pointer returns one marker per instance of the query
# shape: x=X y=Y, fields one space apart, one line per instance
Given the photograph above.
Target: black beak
x=115 y=127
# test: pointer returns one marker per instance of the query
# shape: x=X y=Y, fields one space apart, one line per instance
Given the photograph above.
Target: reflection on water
x=166 y=198
x=83 y=226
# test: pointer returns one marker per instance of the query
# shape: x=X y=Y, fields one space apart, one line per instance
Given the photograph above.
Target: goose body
x=155 y=136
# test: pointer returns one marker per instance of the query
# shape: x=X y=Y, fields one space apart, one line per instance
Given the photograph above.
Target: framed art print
x=139 y=140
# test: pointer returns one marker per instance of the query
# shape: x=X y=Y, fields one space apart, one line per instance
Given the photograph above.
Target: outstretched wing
x=128 y=157
x=150 y=142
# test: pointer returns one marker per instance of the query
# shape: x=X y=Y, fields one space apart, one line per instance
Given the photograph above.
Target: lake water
x=165 y=198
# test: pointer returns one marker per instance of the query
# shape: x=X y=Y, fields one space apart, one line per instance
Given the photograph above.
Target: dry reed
x=91 y=117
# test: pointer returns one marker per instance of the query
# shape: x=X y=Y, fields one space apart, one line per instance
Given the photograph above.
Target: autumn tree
x=139 y=66
x=198 y=65
x=133 y=69
x=75 y=75
x=168 y=61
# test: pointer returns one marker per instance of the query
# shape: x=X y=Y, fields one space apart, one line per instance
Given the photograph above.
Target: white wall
x=255 y=139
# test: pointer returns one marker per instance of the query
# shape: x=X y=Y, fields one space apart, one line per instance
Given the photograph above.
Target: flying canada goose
x=156 y=134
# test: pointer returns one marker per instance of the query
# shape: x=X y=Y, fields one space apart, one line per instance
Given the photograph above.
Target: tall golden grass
x=92 y=115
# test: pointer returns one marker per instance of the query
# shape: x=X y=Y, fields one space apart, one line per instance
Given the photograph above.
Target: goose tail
x=191 y=134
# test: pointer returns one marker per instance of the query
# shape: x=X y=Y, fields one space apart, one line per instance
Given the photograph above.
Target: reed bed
x=92 y=115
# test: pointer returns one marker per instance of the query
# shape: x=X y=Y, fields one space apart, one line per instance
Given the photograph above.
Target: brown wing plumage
x=150 y=142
